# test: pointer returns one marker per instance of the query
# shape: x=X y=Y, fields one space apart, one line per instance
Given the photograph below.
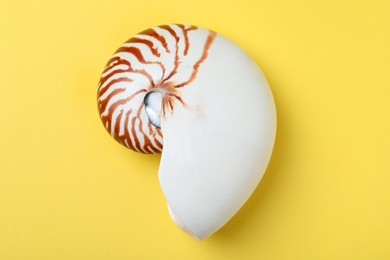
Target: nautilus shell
x=198 y=98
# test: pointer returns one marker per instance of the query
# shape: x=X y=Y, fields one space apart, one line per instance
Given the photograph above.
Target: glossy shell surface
x=215 y=125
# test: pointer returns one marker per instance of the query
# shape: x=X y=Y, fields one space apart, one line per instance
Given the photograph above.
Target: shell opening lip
x=181 y=225
x=153 y=107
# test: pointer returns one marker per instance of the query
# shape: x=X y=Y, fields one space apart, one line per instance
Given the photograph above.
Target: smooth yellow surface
x=69 y=191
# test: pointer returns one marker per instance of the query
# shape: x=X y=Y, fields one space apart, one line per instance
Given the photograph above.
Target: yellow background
x=69 y=191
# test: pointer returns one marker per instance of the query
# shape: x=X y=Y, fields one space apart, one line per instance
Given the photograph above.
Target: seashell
x=201 y=100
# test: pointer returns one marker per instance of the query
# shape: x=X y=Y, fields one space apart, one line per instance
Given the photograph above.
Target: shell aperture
x=201 y=100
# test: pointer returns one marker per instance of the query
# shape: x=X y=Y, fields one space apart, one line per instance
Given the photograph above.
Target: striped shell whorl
x=164 y=58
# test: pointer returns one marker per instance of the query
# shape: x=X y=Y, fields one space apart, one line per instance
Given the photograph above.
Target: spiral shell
x=213 y=106
x=162 y=58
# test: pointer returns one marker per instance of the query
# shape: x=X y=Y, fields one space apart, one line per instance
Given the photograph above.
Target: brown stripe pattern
x=158 y=58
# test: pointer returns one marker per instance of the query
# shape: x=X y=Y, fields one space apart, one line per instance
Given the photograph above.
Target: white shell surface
x=218 y=119
x=216 y=152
